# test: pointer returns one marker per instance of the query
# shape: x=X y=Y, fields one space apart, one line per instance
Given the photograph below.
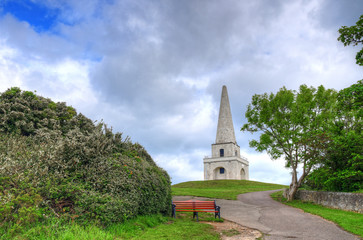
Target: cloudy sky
x=154 y=70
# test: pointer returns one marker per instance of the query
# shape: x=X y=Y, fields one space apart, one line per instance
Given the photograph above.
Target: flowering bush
x=74 y=167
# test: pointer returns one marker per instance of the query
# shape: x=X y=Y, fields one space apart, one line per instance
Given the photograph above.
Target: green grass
x=349 y=221
x=230 y=232
x=184 y=227
x=224 y=189
x=143 y=227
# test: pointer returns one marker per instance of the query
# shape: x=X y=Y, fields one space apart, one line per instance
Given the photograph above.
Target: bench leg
x=173 y=211
x=218 y=213
x=195 y=214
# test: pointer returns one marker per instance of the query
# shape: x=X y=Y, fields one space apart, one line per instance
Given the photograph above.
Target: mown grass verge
x=223 y=189
x=142 y=227
x=349 y=221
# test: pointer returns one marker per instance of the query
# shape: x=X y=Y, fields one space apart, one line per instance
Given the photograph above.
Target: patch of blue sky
x=90 y=54
x=37 y=15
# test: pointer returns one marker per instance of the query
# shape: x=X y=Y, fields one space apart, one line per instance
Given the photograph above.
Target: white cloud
x=66 y=80
x=10 y=72
x=181 y=165
x=263 y=169
x=154 y=71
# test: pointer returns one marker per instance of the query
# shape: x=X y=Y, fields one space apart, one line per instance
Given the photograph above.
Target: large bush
x=55 y=162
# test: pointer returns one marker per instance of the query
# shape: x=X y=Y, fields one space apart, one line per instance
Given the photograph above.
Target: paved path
x=277 y=221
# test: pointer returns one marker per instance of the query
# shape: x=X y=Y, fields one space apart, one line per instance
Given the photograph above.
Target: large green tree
x=353 y=36
x=290 y=124
x=342 y=167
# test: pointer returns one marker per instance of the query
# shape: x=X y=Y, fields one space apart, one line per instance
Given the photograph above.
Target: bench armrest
x=218 y=212
x=173 y=211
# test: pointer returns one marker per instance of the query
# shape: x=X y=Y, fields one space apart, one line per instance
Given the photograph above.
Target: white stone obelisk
x=226 y=161
x=225 y=129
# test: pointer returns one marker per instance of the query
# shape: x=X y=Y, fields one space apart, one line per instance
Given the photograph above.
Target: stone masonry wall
x=340 y=200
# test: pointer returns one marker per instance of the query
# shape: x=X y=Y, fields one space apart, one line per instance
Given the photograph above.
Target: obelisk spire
x=225 y=130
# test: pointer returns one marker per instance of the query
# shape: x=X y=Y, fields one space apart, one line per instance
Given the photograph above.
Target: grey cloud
x=202 y=36
x=192 y=37
x=131 y=81
x=333 y=14
x=139 y=50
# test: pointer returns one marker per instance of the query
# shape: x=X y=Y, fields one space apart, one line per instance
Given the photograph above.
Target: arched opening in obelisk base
x=220 y=173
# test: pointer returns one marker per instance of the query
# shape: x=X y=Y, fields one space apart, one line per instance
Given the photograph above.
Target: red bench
x=196 y=206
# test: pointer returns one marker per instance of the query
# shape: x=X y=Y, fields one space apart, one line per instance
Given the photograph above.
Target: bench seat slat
x=204 y=205
x=194 y=207
x=194 y=211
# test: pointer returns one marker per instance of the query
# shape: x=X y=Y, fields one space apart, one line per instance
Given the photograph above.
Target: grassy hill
x=225 y=189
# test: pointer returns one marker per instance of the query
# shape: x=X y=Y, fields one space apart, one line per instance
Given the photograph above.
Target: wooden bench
x=196 y=206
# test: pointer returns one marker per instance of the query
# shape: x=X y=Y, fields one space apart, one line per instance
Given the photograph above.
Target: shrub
x=56 y=162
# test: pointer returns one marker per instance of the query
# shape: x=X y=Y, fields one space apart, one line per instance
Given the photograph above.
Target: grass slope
x=349 y=221
x=142 y=227
x=224 y=189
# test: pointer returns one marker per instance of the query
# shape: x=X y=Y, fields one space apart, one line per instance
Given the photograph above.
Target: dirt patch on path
x=232 y=231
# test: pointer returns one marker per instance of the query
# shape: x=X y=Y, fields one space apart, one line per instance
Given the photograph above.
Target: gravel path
x=277 y=221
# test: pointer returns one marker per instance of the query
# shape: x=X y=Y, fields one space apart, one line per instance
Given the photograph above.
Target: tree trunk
x=292 y=191
x=293 y=186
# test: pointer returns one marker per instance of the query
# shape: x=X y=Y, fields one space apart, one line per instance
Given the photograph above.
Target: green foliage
x=353 y=36
x=223 y=189
x=55 y=162
x=342 y=167
x=317 y=128
x=291 y=126
x=349 y=221
x=351 y=98
x=20 y=204
x=11 y=93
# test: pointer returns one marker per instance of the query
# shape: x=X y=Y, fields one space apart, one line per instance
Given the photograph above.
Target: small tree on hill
x=291 y=126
